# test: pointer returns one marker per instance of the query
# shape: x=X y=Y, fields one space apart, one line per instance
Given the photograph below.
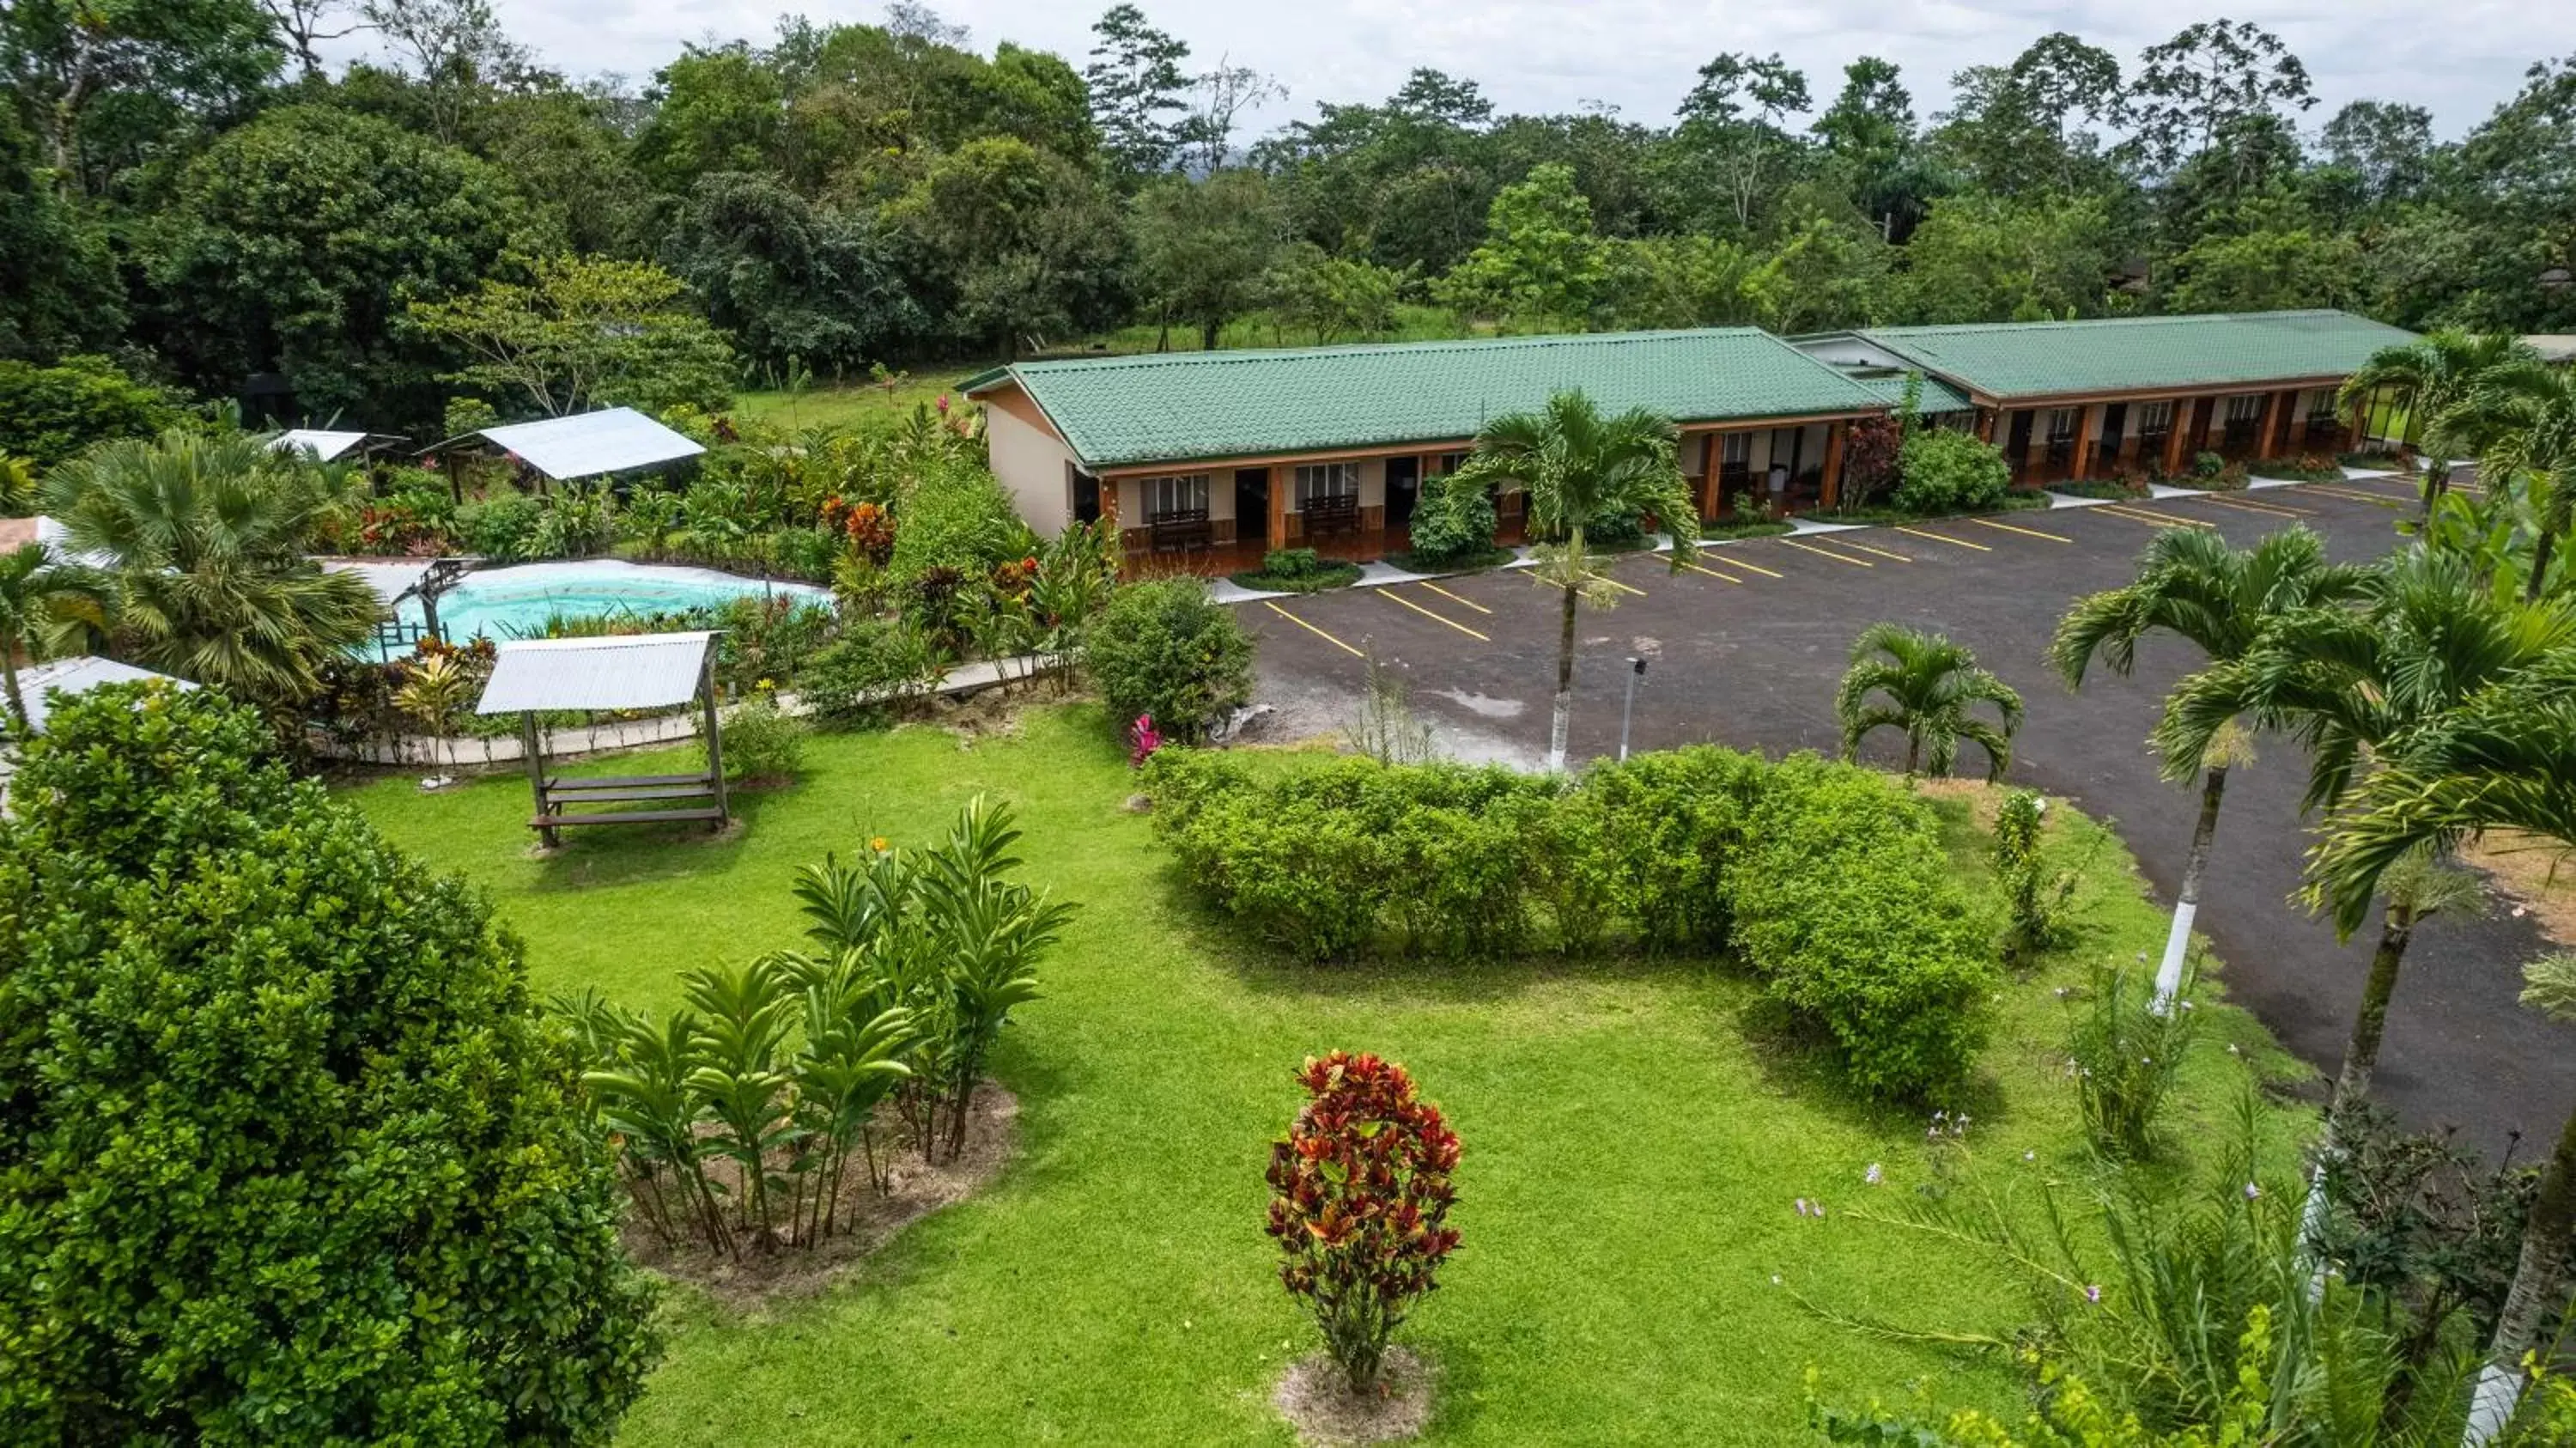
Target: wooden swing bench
x=629 y=671
x=556 y=793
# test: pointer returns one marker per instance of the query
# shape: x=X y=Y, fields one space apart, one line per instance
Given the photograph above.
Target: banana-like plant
x=739 y=1079
x=644 y=1098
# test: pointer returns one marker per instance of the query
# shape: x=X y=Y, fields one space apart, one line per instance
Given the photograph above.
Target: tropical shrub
x=1872 y=449
x=2035 y=893
x=762 y=743
x=1668 y=821
x=808 y=554
x=1452 y=523
x=1944 y=471
x=502 y=527
x=288 y=1156
x=1298 y=570
x=1167 y=649
x=1361 y=1205
x=48 y=414
x=872 y=669
x=956 y=516
x=2125 y=1054
x=739 y=1117
x=1844 y=905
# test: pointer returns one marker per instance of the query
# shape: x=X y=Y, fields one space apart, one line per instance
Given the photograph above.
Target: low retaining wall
x=432 y=751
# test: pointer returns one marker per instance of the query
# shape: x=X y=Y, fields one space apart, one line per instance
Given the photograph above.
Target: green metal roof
x=1183 y=406
x=1938 y=396
x=2045 y=359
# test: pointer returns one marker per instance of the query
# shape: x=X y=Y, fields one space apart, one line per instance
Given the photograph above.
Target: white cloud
x=2460 y=58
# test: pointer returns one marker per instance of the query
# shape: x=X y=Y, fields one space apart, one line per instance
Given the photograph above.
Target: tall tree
x=64 y=57
x=2188 y=88
x=1137 y=87
x=306 y=25
x=1540 y=260
x=2530 y=447
x=456 y=48
x=1202 y=248
x=1732 y=120
x=2195 y=586
x=1219 y=99
x=1578 y=466
x=788 y=279
x=1928 y=687
x=2387 y=146
x=2021 y=128
x=1982 y=258
x=583 y=333
x=1868 y=135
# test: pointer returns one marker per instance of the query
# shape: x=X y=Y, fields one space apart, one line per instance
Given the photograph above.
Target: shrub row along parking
x=1825 y=881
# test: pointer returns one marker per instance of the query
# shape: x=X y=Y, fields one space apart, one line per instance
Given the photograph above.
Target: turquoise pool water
x=508 y=603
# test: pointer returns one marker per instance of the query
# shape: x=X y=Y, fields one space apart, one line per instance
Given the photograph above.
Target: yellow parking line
x=2379 y=499
x=2025 y=532
x=1623 y=587
x=1310 y=628
x=1713 y=573
x=2262 y=506
x=1829 y=553
x=1881 y=552
x=1453 y=598
x=2152 y=519
x=1737 y=561
x=1946 y=538
x=1426 y=613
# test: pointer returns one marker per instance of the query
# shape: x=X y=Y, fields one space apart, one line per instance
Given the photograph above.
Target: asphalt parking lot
x=1745 y=649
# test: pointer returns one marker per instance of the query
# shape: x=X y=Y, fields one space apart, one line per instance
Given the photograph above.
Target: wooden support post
x=2178 y=434
x=2266 y=443
x=532 y=751
x=2082 y=461
x=1282 y=479
x=1986 y=423
x=715 y=735
x=1831 y=493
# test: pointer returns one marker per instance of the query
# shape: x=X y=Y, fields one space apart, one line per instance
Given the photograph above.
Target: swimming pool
x=508 y=603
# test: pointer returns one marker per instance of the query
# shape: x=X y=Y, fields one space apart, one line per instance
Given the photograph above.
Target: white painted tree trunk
x=2178 y=940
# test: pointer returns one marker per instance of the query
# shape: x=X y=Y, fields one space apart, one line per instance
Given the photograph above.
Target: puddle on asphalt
x=1482 y=704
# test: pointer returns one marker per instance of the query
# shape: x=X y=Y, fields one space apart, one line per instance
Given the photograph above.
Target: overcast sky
x=2459 y=57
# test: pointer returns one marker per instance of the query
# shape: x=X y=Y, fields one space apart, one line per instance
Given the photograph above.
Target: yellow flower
x=766 y=685
x=879 y=845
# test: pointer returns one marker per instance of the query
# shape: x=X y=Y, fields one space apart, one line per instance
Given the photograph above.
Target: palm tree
x=2437 y=374
x=2505 y=759
x=1579 y=466
x=2529 y=427
x=1929 y=687
x=2194 y=585
x=2347 y=681
x=206 y=538
x=44 y=605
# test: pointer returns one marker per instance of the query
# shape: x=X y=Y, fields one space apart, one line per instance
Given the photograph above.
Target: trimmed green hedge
x=1827 y=881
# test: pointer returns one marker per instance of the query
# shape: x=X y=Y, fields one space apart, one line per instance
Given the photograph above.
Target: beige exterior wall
x=1220 y=495
x=1032 y=464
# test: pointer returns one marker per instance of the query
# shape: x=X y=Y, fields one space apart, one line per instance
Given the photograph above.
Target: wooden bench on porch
x=1184 y=530
x=1329 y=514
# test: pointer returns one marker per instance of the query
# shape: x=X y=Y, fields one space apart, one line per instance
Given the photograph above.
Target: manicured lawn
x=1633 y=1144
x=853 y=404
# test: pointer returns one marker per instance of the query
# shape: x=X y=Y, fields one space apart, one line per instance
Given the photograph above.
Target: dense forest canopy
x=187 y=188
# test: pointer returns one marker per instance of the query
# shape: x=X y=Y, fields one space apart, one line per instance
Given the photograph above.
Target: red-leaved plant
x=1363 y=1204
x=1142 y=740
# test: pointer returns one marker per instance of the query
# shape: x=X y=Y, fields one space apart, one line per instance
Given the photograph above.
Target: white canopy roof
x=76 y=676
x=323 y=445
x=629 y=671
x=391 y=578
x=591 y=444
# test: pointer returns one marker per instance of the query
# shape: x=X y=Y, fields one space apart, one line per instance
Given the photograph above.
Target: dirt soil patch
x=771 y=1270
x=1318 y=1402
x=2535 y=875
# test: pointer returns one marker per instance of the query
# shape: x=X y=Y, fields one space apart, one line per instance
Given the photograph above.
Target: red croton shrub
x=1363 y=1201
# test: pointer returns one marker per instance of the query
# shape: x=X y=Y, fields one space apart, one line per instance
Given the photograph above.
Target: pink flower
x=2093 y=1294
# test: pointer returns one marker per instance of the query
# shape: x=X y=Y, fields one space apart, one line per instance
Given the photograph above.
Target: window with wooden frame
x=1170 y=496
x=2155 y=419
x=1326 y=480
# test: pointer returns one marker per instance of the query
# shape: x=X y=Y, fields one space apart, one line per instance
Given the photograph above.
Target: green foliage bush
x=1299 y=570
x=285 y=1155
x=502 y=527
x=49 y=413
x=1845 y=905
x=1452 y=523
x=1944 y=471
x=1165 y=648
x=762 y=742
x=1827 y=881
x=955 y=515
x=875 y=665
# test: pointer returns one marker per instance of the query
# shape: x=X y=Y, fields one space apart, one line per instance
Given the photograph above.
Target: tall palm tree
x=1929 y=687
x=45 y=604
x=2529 y=428
x=2194 y=585
x=2505 y=759
x=206 y=539
x=2437 y=374
x=1577 y=466
x=2348 y=681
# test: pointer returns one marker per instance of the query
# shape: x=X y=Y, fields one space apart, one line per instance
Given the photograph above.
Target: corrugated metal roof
x=589 y=445
x=628 y=671
x=390 y=578
x=76 y=676
x=1174 y=407
x=323 y=445
x=1938 y=396
x=2118 y=354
